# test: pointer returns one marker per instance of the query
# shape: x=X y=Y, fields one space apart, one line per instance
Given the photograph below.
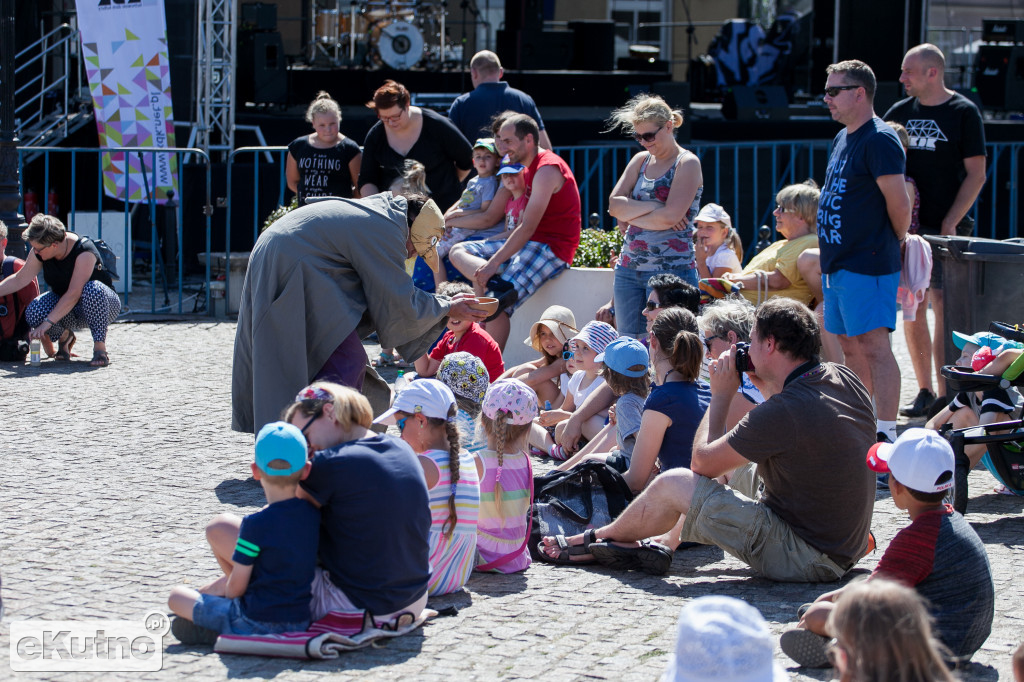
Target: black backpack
x=108 y=259
x=13 y=327
x=590 y=495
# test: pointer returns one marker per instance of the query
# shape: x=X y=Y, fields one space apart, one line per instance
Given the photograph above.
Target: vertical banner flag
x=124 y=43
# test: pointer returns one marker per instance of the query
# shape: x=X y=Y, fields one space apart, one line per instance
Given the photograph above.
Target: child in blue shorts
x=266 y=584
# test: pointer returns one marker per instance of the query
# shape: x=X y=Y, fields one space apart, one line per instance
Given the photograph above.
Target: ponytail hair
x=453 y=467
x=503 y=434
x=735 y=243
x=677 y=334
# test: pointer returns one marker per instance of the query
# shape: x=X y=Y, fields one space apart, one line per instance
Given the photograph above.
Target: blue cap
x=981 y=339
x=280 y=440
x=511 y=168
x=623 y=353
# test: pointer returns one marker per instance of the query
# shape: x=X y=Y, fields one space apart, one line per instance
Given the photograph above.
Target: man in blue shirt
x=472 y=112
x=863 y=215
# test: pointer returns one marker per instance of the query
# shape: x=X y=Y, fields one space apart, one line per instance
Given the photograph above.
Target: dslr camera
x=742 y=358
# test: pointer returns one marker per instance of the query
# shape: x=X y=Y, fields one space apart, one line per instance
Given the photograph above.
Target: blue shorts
x=534 y=265
x=630 y=295
x=856 y=304
x=225 y=616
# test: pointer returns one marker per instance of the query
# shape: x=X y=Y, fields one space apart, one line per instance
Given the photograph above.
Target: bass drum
x=398 y=44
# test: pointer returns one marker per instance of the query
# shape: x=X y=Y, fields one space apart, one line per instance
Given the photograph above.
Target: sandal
x=99 y=359
x=650 y=557
x=63 y=353
x=383 y=360
x=566 y=552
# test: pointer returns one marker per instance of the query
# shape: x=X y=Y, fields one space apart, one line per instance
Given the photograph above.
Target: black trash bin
x=983 y=280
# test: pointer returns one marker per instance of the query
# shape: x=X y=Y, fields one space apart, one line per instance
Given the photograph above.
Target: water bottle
x=35 y=348
x=400 y=381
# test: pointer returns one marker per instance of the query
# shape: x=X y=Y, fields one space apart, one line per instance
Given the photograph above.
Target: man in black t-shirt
x=946 y=159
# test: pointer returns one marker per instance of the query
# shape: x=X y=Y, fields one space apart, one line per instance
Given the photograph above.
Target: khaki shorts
x=754 y=534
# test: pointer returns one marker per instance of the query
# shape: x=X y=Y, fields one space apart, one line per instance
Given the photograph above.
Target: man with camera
x=810 y=522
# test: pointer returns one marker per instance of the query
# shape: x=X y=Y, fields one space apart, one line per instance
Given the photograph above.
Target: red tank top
x=559 y=227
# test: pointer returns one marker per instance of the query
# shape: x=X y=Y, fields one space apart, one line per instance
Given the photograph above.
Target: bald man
x=472 y=112
x=946 y=159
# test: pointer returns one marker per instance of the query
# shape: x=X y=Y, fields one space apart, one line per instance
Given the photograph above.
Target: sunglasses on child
x=566 y=351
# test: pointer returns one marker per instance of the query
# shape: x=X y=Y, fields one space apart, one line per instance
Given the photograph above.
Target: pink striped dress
x=452 y=560
x=502 y=531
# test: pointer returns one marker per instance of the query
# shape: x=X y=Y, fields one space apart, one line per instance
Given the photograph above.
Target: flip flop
x=650 y=557
x=567 y=551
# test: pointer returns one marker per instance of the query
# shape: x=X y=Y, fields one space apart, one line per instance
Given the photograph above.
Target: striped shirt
x=502 y=530
x=452 y=560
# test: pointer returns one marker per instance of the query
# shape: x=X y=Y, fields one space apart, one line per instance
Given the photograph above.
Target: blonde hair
x=644 y=108
x=886 y=633
x=413 y=179
x=323 y=104
x=734 y=242
x=351 y=408
x=504 y=434
x=901 y=133
x=45 y=230
x=802 y=198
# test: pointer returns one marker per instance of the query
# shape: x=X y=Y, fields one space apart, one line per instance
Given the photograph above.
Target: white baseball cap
x=428 y=397
x=920 y=459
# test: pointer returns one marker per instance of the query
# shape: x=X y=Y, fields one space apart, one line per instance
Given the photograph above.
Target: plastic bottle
x=400 y=381
x=35 y=348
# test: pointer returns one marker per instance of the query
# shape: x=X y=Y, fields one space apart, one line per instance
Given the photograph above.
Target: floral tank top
x=659 y=249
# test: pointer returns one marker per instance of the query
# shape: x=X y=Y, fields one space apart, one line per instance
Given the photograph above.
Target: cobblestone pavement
x=109 y=476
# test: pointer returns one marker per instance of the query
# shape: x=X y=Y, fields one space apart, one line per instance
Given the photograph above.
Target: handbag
x=590 y=495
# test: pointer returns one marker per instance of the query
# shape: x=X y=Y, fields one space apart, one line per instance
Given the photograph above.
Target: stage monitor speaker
x=593 y=45
x=756 y=103
x=259 y=16
x=523 y=15
x=540 y=50
x=262 y=76
x=181 y=51
x=1002 y=31
x=999 y=76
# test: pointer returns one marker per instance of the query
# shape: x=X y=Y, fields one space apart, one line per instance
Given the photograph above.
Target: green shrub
x=597 y=248
x=279 y=212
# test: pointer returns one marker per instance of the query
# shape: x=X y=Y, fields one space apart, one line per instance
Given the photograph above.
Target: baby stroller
x=1005 y=456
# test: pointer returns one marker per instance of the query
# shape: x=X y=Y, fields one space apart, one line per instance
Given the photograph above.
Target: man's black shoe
x=498 y=286
x=506 y=300
x=922 y=403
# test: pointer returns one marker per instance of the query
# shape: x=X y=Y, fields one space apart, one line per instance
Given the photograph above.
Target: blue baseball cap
x=280 y=440
x=511 y=168
x=981 y=339
x=623 y=353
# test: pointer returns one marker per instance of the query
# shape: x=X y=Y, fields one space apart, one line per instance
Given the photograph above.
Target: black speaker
x=756 y=103
x=524 y=15
x=593 y=45
x=536 y=50
x=181 y=51
x=999 y=76
x=259 y=16
x=887 y=93
x=1002 y=31
x=643 y=64
x=262 y=77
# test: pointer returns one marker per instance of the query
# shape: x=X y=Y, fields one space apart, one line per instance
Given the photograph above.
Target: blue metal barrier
x=68 y=171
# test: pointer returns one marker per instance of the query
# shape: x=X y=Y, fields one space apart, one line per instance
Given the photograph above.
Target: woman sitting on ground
x=80 y=295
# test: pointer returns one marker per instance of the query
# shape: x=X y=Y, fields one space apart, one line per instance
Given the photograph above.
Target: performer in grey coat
x=319 y=280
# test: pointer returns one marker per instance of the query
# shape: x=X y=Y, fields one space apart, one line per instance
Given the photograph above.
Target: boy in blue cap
x=265 y=588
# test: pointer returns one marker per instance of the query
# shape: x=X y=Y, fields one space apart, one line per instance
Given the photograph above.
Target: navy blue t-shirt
x=684 y=402
x=472 y=112
x=375 y=532
x=279 y=542
x=854 y=230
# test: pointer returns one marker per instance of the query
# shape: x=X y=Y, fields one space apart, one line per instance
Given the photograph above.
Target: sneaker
x=558 y=452
x=805 y=647
x=922 y=403
x=188 y=632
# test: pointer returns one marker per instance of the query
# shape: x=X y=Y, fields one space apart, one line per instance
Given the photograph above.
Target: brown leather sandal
x=63 y=353
x=100 y=359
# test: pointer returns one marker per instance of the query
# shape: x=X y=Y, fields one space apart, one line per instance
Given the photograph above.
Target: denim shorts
x=856 y=304
x=225 y=616
x=631 y=292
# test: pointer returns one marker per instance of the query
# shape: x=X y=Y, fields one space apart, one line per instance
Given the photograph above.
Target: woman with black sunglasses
x=655 y=202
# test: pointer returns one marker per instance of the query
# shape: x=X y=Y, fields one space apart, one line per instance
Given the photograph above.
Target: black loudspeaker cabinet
x=262 y=76
x=1002 y=31
x=593 y=45
x=643 y=64
x=756 y=103
x=999 y=76
x=259 y=16
x=535 y=50
x=523 y=15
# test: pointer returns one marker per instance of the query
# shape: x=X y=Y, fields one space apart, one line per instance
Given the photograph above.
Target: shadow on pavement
x=240 y=492
x=1005 y=531
x=497 y=584
x=27 y=371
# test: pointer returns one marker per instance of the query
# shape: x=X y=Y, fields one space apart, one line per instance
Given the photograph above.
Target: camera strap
x=806 y=369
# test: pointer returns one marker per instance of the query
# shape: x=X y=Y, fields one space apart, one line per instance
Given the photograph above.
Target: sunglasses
x=651 y=305
x=311 y=420
x=836 y=89
x=400 y=423
x=782 y=209
x=708 y=340
x=648 y=137
x=566 y=351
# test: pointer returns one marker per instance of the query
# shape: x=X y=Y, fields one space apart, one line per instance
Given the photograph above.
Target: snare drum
x=399 y=44
x=327 y=26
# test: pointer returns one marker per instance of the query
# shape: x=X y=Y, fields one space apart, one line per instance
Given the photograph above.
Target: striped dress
x=501 y=531
x=451 y=561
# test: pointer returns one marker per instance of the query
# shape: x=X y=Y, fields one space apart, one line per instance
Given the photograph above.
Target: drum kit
x=374 y=34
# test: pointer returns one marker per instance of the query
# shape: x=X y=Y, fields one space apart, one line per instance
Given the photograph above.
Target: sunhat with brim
x=713 y=213
x=993 y=341
x=559 y=320
x=280 y=441
x=426 y=231
x=511 y=396
x=428 y=397
x=597 y=335
x=920 y=459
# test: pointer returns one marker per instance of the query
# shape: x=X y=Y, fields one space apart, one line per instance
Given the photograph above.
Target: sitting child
x=462 y=336
x=718 y=249
x=584 y=347
x=424 y=413
x=513 y=178
x=266 y=587
x=627 y=374
x=466 y=376
x=506 y=486
x=939 y=553
x=547 y=374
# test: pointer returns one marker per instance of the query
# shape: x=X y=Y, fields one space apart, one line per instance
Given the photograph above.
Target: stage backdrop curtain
x=124 y=44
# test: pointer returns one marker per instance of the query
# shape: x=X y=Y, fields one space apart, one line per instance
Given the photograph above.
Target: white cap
x=713 y=213
x=919 y=459
x=428 y=397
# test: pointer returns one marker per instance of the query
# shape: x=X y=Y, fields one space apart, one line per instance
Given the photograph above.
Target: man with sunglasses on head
x=863 y=216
